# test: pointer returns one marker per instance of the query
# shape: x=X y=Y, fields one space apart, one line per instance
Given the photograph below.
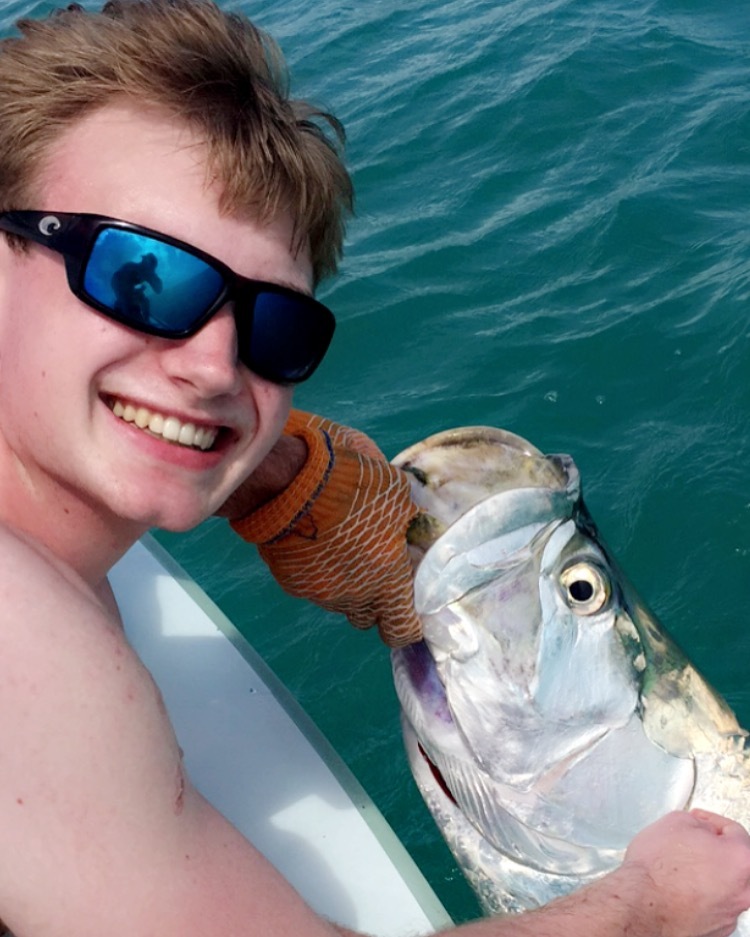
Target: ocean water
x=551 y=236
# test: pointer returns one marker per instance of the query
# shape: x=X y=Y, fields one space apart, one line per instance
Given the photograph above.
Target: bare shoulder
x=81 y=719
x=101 y=830
x=47 y=610
x=31 y=576
x=73 y=693
x=55 y=633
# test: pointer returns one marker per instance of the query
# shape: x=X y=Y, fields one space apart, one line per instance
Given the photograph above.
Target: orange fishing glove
x=337 y=534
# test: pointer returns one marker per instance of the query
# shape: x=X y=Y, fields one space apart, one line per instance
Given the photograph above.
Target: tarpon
x=547 y=715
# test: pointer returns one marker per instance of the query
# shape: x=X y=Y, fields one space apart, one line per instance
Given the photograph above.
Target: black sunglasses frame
x=74 y=236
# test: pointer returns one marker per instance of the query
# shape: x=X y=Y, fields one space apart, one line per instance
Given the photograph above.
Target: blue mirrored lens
x=149 y=282
x=285 y=337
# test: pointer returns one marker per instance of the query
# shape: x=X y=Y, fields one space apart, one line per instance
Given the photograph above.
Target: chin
x=174 y=517
x=180 y=527
x=178 y=522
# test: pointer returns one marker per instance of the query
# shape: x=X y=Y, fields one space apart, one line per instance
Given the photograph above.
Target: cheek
x=52 y=349
x=32 y=333
x=32 y=349
x=272 y=401
x=272 y=404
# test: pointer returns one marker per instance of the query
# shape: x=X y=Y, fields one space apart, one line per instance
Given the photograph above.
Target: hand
x=337 y=534
x=698 y=864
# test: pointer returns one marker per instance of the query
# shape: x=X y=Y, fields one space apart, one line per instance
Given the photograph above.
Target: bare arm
x=688 y=875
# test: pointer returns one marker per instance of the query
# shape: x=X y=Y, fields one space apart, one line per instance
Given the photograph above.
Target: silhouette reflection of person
x=129 y=283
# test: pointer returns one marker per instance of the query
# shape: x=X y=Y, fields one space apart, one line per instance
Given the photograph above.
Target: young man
x=160 y=128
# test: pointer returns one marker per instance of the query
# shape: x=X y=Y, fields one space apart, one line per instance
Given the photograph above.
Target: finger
x=721 y=825
x=400 y=627
x=341 y=435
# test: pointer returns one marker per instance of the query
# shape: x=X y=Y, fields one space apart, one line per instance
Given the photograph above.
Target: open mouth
x=437 y=774
x=165 y=426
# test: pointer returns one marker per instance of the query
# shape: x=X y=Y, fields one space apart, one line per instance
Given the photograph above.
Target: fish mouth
x=437 y=774
x=456 y=469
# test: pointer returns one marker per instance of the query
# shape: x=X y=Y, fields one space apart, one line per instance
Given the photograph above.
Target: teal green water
x=552 y=236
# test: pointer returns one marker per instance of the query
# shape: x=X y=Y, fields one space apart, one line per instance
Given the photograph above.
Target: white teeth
x=155 y=424
x=187 y=435
x=171 y=429
x=168 y=427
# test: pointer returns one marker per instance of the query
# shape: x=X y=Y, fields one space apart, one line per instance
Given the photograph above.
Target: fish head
x=526 y=694
x=519 y=601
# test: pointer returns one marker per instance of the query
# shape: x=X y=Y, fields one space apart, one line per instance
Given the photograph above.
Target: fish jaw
x=467 y=801
x=502 y=885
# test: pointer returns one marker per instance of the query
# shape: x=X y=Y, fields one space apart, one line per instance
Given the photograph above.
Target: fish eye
x=585 y=588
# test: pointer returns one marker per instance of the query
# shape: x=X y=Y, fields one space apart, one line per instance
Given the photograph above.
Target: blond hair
x=211 y=69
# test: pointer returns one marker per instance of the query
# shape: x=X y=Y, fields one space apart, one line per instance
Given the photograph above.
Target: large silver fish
x=547 y=715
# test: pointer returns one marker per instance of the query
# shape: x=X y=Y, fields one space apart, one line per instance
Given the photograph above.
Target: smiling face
x=97 y=417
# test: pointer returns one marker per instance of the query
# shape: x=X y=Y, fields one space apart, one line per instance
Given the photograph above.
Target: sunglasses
x=156 y=284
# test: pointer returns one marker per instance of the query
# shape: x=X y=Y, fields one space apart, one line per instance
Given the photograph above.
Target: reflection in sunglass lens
x=147 y=281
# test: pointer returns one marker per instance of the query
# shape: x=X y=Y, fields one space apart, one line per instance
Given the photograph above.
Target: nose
x=208 y=359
